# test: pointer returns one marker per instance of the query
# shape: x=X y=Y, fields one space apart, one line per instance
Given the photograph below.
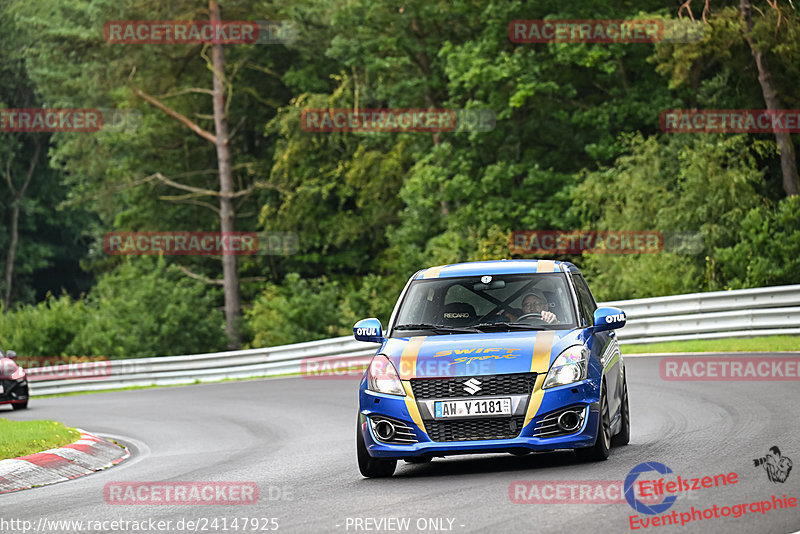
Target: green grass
x=20 y=438
x=745 y=344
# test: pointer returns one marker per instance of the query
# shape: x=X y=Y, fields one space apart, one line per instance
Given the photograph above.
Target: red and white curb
x=85 y=456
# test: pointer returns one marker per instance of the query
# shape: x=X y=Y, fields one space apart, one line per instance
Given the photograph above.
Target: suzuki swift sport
x=487 y=357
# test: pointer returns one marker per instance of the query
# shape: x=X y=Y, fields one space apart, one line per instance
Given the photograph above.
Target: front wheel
x=20 y=406
x=371 y=467
x=624 y=436
x=599 y=451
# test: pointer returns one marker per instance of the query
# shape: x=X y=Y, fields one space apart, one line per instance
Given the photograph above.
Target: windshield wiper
x=510 y=326
x=438 y=328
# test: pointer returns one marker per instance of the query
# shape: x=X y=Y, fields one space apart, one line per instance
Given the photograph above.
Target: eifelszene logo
x=777 y=467
x=638 y=505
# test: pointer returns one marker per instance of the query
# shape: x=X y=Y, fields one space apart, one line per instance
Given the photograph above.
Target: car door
x=604 y=344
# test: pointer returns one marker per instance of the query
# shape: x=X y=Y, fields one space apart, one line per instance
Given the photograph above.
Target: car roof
x=495 y=267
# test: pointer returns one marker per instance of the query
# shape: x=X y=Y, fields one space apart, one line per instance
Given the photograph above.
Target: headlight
x=569 y=367
x=382 y=376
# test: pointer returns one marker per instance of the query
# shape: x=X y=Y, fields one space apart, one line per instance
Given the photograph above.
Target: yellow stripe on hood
x=407 y=371
x=408 y=358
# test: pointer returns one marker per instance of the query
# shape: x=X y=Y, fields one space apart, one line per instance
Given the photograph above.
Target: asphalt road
x=295 y=439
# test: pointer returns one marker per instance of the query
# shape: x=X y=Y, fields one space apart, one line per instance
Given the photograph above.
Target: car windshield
x=486 y=304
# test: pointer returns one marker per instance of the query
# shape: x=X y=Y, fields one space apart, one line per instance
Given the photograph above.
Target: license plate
x=472 y=408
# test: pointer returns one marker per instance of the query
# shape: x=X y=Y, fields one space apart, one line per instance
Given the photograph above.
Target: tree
x=17 y=194
x=791 y=181
x=40 y=243
x=757 y=42
x=220 y=138
x=127 y=176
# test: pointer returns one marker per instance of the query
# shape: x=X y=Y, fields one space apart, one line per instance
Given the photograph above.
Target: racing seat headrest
x=458 y=314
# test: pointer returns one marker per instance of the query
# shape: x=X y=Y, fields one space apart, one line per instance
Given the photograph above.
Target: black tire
x=372 y=467
x=624 y=435
x=20 y=406
x=599 y=451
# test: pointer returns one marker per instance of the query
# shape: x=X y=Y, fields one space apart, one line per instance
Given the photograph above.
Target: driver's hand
x=507 y=314
x=548 y=316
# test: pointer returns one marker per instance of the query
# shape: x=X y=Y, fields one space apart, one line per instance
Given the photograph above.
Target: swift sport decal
x=479 y=354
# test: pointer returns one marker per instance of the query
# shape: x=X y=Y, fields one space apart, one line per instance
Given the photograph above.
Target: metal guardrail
x=716 y=314
x=174 y=370
x=741 y=313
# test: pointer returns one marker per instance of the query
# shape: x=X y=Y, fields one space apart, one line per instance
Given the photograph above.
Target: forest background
x=577 y=146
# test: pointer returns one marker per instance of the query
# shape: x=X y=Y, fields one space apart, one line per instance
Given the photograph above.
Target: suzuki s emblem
x=486 y=279
x=472 y=386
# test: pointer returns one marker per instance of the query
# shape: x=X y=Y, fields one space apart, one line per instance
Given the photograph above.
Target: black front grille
x=475 y=429
x=443 y=388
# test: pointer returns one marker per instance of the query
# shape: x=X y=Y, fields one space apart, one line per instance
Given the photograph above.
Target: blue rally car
x=494 y=356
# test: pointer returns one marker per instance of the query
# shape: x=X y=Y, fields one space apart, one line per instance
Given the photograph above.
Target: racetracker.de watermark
x=604 y=31
x=201 y=243
x=181 y=493
x=730 y=368
x=730 y=121
x=397 y=120
x=334 y=367
x=198 y=32
x=86 y=370
x=550 y=242
x=572 y=492
x=67 y=119
x=344 y=367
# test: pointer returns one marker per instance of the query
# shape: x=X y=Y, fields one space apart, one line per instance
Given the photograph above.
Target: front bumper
x=582 y=395
x=14 y=391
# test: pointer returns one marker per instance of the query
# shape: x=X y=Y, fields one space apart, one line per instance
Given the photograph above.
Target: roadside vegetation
x=20 y=438
x=577 y=146
x=751 y=344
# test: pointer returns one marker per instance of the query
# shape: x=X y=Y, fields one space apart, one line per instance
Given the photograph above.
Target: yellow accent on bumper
x=411 y=406
x=540 y=364
x=536 y=399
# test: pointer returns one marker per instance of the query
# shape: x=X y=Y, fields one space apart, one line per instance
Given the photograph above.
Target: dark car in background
x=13 y=381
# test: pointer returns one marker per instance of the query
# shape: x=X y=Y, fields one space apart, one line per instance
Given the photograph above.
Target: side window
x=585 y=299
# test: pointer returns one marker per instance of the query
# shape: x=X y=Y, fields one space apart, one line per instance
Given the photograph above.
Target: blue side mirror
x=608 y=319
x=369 y=330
